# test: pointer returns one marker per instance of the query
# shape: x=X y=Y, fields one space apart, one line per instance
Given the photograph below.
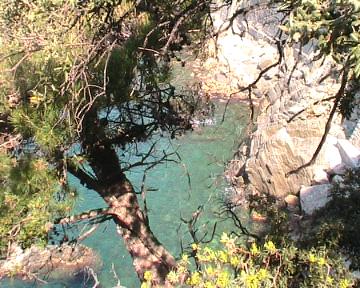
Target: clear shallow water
x=203 y=154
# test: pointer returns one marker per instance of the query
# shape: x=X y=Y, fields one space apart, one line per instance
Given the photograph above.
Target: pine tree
x=82 y=82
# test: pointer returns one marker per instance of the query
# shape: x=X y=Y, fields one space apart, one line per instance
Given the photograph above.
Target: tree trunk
x=113 y=186
x=146 y=251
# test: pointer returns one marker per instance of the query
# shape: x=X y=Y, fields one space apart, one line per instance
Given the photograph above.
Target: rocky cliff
x=295 y=95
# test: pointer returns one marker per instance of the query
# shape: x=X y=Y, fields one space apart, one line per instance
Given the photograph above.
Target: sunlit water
x=175 y=191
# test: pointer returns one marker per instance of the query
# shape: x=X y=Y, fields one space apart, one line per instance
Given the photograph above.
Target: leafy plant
x=332 y=26
x=235 y=265
x=29 y=201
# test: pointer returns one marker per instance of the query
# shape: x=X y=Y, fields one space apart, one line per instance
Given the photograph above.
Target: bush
x=257 y=266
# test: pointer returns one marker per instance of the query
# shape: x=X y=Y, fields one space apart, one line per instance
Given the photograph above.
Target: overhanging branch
x=338 y=96
x=85 y=179
x=88 y=215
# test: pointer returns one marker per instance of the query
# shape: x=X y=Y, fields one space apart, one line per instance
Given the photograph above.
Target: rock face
x=290 y=125
x=292 y=113
x=320 y=176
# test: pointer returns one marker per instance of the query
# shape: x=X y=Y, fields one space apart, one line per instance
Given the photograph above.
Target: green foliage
x=334 y=27
x=88 y=74
x=258 y=266
x=28 y=201
x=277 y=220
x=334 y=24
x=43 y=125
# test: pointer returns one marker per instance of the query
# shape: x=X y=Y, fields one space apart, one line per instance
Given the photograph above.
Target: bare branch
x=92 y=273
x=229 y=210
x=338 y=96
x=312 y=104
x=87 y=233
x=253 y=84
x=88 y=215
x=196 y=5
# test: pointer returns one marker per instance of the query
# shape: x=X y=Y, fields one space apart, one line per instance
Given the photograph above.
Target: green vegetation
x=257 y=266
x=27 y=209
x=333 y=27
x=82 y=82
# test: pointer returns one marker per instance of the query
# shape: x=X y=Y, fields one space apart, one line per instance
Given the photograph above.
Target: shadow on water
x=174 y=191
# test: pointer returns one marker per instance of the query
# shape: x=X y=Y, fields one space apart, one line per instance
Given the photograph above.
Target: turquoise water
x=175 y=190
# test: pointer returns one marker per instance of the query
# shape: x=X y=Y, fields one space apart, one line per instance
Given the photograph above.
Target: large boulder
x=320 y=175
x=278 y=148
x=314 y=197
x=273 y=154
x=333 y=159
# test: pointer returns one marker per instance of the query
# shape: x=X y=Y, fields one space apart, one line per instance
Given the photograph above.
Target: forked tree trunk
x=146 y=251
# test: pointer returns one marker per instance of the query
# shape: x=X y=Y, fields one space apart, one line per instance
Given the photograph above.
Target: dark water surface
x=175 y=190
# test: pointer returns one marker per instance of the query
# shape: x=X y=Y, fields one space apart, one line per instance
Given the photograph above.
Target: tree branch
x=230 y=211
x=85 y=179
x=304 y=109
x=88 y=215
x=338 y=96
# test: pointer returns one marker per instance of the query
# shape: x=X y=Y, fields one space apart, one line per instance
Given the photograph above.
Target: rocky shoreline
x=293 y=106
x=51 y=262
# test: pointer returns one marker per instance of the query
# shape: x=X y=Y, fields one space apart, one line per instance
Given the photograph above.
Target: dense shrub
x=235 y=265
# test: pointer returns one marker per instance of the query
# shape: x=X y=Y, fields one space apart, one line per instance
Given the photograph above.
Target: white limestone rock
x=349 y=153
x=333 y=158
x=320 y=176
x=314 y=197
x=331 y=139
x=295 y=109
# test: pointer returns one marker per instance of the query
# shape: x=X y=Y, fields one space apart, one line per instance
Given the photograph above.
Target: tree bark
x=146 y=251
x=112 y=185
